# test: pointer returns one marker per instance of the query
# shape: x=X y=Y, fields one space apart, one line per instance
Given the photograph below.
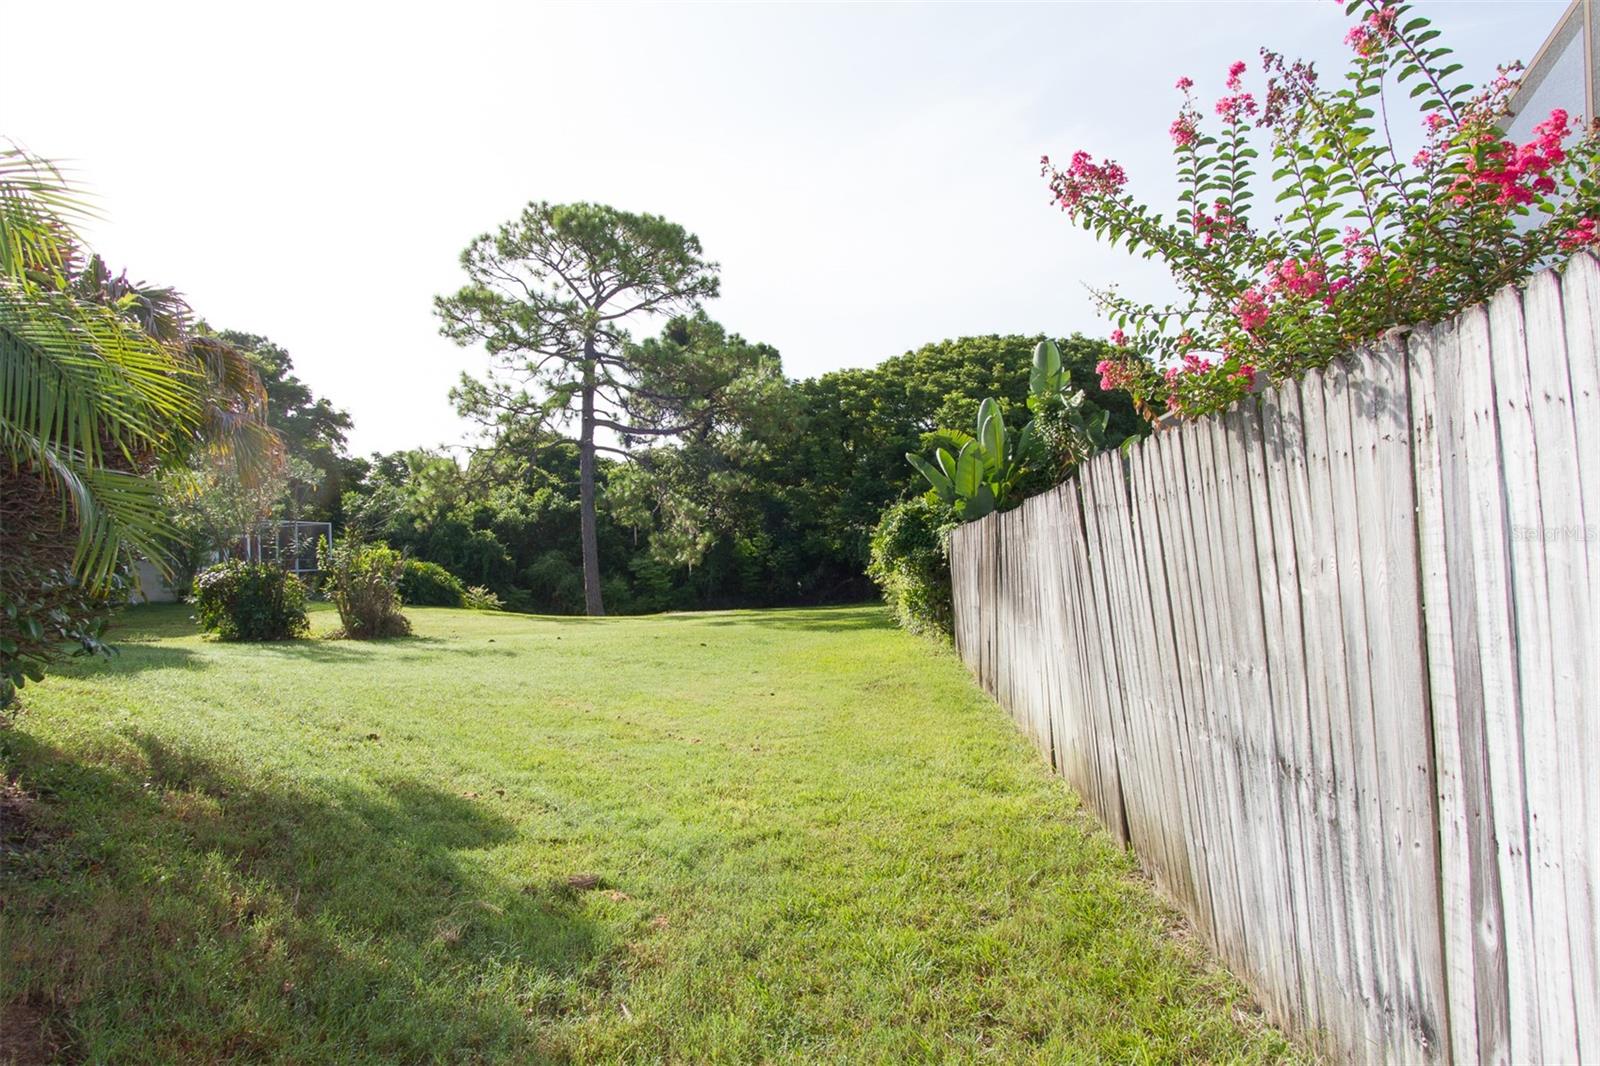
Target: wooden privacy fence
x=1329 y=663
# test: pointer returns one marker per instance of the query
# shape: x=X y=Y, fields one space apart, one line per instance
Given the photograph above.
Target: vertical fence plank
x=1260 y=944
x=1580 y=309
x=1464 y=837
x=1286 y=713
x=1261 y=806
x=1562 y=869
x=1216 y=741
x=1102 y=754
x=1168 y=711
x=1532 y=599
x=1173 y=529
x=1401 y=702
x=1318 y=558
x=1356 y=552
x=1492 y=537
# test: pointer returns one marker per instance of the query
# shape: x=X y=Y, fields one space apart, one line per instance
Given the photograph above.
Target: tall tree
x=550 y=295
x=313 y=429
x=689 y=494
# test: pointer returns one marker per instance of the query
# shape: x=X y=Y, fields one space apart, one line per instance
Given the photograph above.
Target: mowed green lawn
x=814 y=840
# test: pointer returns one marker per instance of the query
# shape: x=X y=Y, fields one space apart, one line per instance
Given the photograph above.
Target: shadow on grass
x=131 y=658
x=813 y=619
x=808 y=619
x=138 y=655
x=181 y=910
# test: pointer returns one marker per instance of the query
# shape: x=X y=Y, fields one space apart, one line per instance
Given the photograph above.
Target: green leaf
x=969 y=471
x=941 y=484
x=981 y=503
x=1045 y=377
x=991 y=434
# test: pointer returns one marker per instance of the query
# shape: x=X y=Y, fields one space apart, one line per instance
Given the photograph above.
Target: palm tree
x=102 y=383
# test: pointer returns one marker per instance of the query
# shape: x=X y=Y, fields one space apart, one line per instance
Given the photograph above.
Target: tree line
x=636 y=454
x=682 y=470
x=775 y=507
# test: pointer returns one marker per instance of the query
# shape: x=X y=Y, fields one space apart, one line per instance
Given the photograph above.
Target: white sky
x=867 y=175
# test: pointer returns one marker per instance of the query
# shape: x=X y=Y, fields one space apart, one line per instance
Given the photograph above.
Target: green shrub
x=44 y=610
x=910 y=564
x=430 y=585
x=617 y=594
x=363 y=581
x=555 y=583
x=481 y=599
x=250 y=601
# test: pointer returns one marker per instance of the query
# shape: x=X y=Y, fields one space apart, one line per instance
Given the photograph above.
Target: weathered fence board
x=1328 y=662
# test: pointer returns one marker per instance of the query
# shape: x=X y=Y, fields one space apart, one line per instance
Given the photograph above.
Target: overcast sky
x=867 y=175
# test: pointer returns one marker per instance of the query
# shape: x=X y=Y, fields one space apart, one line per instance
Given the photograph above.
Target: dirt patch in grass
x=20 y=831
x=30 y=1036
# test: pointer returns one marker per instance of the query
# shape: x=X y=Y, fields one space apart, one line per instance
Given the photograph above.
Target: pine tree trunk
x=593 y=604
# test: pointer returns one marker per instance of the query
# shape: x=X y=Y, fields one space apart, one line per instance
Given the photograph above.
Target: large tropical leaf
x=992 y=435
x=1044 y=380
x=936 y=477
x=969 y=470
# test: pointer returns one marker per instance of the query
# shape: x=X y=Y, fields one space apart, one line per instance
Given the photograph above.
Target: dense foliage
x=977 y=473
x=775 y=506
x=424 y=584
x=911 y=565
x=363 y=581
x=1371 y=236
x=44 y=607
x=478 y=598
x=250 y=601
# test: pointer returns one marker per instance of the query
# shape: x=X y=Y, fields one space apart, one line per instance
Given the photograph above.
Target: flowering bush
x=1367 y=240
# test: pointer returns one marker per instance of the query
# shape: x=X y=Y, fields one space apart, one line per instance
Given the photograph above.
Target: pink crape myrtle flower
x=1355 y=247
x=1335 y=287
x=1185 y=84
x=1083 y=178
x=1240 y=103
x=1518 y=173
x=1173 y=376
x=1296 y=278
x=1233 y=108
x=1251 y=310
x=1113 y=375
x=1375 y=31
x=1581 y=235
